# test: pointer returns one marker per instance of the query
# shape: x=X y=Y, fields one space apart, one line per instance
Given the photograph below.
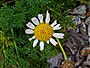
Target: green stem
x=54 y=11
x=3 y=49
x=14 y=42
x=4 y=53
x=17 y=14
x=16 y=48
x=64 y=54
x=2 y=38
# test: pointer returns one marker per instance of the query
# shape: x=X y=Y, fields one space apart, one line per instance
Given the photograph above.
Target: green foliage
x=12 y=16
x=13 y=21
x=6 y=41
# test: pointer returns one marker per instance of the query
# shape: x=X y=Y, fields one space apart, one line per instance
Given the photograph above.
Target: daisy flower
x=43 y=31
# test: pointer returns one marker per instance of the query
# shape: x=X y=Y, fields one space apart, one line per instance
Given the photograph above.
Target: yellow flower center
x=43 y=32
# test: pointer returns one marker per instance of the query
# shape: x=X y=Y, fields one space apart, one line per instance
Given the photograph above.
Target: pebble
x=85 y=51
x=80 y=10
x=89 y=40
x=87 y=62
x=77 y=29
x=83 y=16
x=76 y=20
x=78 y=63
x=89 y=28
x=79 y=67
x=87 y=20
x=55 y=61
x=83 y=28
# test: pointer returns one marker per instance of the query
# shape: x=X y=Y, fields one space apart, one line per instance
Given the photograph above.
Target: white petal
x=35 y=42
x=57 y=28
x=35 y=20
x=41 y=46
x=48 y=42
x=58 y=35
x=31 y=38
x=58 y=25
x=54 y=23
x=53 y=41
x=40 y=17
x=30 y=25
x=47 y=20
x=29 y=31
